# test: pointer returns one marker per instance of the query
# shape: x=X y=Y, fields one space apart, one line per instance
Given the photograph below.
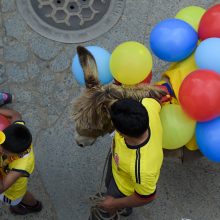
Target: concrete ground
x=37 y=70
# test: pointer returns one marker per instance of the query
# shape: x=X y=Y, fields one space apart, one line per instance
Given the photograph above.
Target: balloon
x=208 y=138
x=173 y=40
x=209 y=24
x=192 y=145
x=145 y=81
x=178 y=128
x=207 y=54
x=148 y=79
x=4 y=123
x=199 y=95
x=191 y=15
x=102 y=58
x=178 y=71
x=130 y=63
x=116 y=82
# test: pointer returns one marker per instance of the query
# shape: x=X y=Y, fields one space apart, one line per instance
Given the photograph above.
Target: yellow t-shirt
x=137 y=168
x=25 y=165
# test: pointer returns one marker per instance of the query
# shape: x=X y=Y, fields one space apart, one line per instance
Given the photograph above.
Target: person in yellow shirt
x=137 y=155
x=16 y=165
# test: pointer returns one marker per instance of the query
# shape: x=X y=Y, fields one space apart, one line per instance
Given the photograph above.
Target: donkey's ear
x=89 y=67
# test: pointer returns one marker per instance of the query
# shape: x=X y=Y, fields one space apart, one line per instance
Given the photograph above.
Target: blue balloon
x=208 y=139
x=173 y=40
x=102 y=58
x=207 y=54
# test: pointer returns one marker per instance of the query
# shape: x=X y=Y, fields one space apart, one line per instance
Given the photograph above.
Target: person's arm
x=12 y=115
x=144 y=192
x=9 y=180
x=111 y=204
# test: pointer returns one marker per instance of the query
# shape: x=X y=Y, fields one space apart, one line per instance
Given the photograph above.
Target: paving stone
x=8 y=5
x=71 y=50
x=1 y=41
x=15 y=26
x=61 y=94
x=37 y=188
x=2 y=68
x=60 y=63
x=67 y=79
x=16 y=53
x=35 y=117
x=33 y=69
x=24 y=96
x=45 y=49
x=3 y=76
x=16 y=73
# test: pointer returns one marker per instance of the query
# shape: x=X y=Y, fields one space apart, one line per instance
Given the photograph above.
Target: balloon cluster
x=198 y=67
x=191 y=41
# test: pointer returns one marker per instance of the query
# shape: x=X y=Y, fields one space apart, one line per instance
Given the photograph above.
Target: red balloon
x=116 y=82
x=209 y=25
x=148 y=79
x=199 y=95
x=4 y=123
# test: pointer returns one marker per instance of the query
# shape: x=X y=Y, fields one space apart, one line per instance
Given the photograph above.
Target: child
x=16 y=165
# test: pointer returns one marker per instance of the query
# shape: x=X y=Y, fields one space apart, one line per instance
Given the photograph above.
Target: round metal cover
x=71 y=21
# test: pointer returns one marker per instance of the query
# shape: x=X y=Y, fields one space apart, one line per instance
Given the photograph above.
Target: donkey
x=91 y=109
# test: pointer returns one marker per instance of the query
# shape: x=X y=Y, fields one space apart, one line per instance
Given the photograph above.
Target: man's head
x=16 y=138
x=129 y=117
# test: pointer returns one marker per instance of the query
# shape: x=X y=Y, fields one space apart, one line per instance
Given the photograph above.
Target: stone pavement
x=37 y=188
x=37 y=70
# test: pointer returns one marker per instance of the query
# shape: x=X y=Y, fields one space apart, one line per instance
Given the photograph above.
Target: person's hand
x=108 y=204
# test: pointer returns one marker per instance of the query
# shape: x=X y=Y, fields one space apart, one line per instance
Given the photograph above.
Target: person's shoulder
x=151 y=104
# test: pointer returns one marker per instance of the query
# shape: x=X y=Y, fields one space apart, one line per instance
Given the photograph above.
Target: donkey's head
x=91 y=109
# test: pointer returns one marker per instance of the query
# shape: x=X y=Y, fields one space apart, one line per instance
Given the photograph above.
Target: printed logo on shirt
x=116 y=159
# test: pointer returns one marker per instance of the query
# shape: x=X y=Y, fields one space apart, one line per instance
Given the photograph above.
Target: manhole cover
x=71 y=21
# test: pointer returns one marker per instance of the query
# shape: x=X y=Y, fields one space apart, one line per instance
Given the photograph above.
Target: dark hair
x=129 y=117
x=18 y=138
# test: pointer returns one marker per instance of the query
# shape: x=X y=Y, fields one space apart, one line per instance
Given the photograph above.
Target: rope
x=95 y=201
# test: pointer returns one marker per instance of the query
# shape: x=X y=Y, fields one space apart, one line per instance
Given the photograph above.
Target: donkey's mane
x=92 y=107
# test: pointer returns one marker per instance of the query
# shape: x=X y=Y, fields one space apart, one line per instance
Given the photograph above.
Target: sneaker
x=5 y=98
x=23 y=209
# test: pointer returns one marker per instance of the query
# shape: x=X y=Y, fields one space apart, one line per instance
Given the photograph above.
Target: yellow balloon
x=192 y=15
x=178 y=71
x=130 y=63
x=192 y=145
x=178 y=128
